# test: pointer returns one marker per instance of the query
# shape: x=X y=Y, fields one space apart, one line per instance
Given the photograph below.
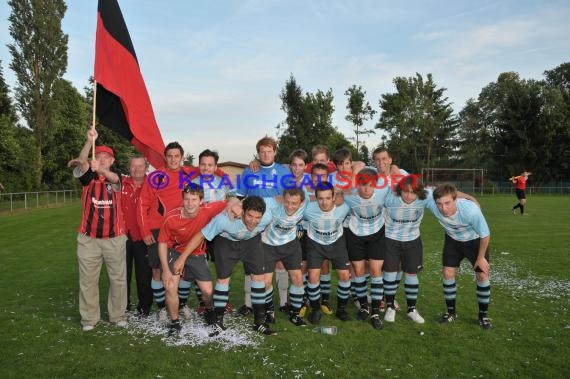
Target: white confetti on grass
x=194 y=332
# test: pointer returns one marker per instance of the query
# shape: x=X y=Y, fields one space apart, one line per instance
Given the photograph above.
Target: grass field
x=41 y=335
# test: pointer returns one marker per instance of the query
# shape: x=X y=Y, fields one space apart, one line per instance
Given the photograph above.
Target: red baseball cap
x=104 y=149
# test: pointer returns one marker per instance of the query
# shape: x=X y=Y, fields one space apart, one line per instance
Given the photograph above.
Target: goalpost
x=470 y=180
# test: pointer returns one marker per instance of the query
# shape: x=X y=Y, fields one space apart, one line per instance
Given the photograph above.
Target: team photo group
x=295 y=221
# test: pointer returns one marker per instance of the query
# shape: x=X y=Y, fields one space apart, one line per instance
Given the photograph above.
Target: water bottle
x=331 y=330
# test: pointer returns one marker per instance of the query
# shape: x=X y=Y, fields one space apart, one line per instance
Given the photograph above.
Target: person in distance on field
x=520 y=186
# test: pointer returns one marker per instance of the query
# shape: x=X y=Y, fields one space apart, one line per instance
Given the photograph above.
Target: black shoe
x=285 y=309
x=264 y=329
x=342 y=314
x=297 y=321
x=215 y=329
x=485 y=323
x=315 y=316
x=376 y=323
x=174 y=328
x=448 y=318
x=362 y=314
x=270 y=317
x=244 y=310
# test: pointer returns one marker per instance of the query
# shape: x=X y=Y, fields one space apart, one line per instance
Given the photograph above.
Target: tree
x=308 y=121
x=419 y=122
x=39 y=59
x=517 y=125
x=359 y=112
x=70 y=116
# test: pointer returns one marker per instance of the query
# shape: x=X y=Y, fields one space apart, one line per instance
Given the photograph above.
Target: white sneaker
x=390 y=315
x=162 y=315
x=87 y=328
x=415 y=317
x=185 y=312
x=121 y=324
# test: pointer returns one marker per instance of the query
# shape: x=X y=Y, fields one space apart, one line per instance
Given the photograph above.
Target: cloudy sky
x=214 y=69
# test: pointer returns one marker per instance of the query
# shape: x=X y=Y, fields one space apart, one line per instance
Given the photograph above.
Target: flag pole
x=94 y=113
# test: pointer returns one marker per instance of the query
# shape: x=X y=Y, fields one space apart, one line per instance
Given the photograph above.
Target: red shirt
x=156 y=203
x=520 y=182
x=130 y=197
x=176 y=231
x=102 y=212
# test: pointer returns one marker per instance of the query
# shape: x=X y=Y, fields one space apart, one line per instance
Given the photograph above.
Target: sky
x=214 y=69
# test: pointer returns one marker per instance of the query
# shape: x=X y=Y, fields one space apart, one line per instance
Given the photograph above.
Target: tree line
x=514 y=123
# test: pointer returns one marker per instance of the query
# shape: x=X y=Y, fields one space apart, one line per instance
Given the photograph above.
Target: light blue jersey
x=366 y=215
x=403 y=220
x=467 y=224
x=234 y=230
x=325 y=227
x=283 y=228
x=268 y=181
x=214 y=188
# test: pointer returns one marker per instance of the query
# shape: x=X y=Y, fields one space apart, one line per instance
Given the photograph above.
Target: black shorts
x=454 y=251
x=335 y=252
x=195 y=267
x=407 y=253
x=520 y=194
x=366 y=247
x=153 y=259
x=303 y=241
x=229 y=252
x=290 y=254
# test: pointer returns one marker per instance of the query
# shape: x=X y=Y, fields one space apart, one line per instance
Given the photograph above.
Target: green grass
x=41 y=336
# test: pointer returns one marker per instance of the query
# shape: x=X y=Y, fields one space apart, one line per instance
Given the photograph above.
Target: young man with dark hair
x=179 y=226
x=326 y=241
x=365 y=242
x=466 y=236
x=160 y=194
x=238 y=240
x=404 y=210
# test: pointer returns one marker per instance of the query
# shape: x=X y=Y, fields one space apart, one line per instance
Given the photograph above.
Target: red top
x=130 y=197
x=520 y=182
x=102 y=211
x=330 y=165
x=162 y=193
x=177 y=230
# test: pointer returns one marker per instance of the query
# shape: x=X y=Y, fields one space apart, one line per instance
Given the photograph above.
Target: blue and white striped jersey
x=234 y=230
x=215 y=189
x=283 y=228
x=403 y=220
x=325 y=227
x=467 y=224
x=366 y=215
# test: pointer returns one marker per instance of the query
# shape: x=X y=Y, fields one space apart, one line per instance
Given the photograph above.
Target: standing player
x=520 y=186
x=365 y=242
x=404 y=210
x=466 y=236
x=159 y=195
x=180 y=224
x=280 y=244
x=266 y=182
x=136 y=248
x=326 y=241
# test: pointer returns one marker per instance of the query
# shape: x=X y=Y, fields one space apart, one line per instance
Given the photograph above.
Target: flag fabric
x=122 y=102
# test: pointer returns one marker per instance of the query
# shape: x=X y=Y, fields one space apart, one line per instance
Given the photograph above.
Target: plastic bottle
x=332 y=330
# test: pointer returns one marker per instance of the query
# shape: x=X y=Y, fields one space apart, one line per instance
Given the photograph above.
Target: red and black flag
x=122 y=102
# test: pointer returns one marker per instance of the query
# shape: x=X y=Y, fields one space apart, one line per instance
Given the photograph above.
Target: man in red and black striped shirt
x=101 y=235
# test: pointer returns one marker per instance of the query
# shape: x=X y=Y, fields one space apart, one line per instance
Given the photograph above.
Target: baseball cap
x=104 y=149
